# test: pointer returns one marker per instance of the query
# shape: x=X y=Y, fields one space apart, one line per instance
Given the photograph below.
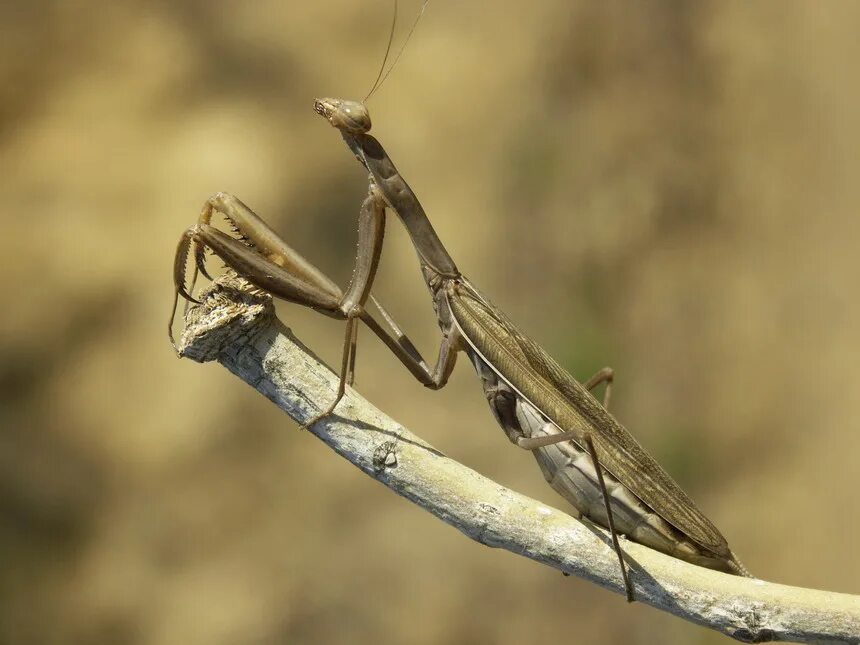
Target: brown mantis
x=584 y=453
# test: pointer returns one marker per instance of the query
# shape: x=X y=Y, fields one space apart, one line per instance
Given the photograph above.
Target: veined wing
x=533 y=373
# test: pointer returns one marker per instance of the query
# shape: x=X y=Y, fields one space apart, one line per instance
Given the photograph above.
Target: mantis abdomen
x=569 y=470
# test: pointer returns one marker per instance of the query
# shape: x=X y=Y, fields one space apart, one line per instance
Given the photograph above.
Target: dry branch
x=237 y=327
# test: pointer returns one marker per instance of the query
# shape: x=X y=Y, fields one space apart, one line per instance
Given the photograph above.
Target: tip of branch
x=231 y=312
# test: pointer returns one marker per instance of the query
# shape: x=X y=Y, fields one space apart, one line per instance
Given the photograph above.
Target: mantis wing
x=533 y=373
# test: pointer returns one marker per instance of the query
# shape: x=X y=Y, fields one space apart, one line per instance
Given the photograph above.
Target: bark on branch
x=237 y=327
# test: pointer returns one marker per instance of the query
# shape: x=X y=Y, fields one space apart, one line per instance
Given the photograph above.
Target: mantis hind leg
x=628 y=587
x=534 y=443
x=603 y=375
x=607 y=375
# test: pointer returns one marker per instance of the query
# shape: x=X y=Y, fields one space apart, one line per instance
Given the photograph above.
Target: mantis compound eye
x=349 y=116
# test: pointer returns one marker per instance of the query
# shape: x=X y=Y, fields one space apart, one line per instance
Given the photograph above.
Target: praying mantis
x=584 y=453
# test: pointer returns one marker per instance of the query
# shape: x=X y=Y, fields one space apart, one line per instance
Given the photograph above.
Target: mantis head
x=350 y=117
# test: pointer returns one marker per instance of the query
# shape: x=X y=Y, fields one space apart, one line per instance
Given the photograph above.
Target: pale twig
x=237 y=327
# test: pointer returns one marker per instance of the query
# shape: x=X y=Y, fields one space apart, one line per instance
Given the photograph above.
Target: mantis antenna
x=380 y=78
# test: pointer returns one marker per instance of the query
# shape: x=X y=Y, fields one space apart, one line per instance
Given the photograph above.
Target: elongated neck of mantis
x=429 y=247
x=404 y=202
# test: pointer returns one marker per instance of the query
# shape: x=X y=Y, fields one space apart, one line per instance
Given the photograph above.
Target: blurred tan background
x=668 y=188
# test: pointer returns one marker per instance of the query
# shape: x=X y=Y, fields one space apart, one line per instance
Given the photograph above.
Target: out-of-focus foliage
x=665 y=187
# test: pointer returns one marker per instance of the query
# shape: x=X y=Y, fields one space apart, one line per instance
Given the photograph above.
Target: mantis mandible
x=585 y=454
